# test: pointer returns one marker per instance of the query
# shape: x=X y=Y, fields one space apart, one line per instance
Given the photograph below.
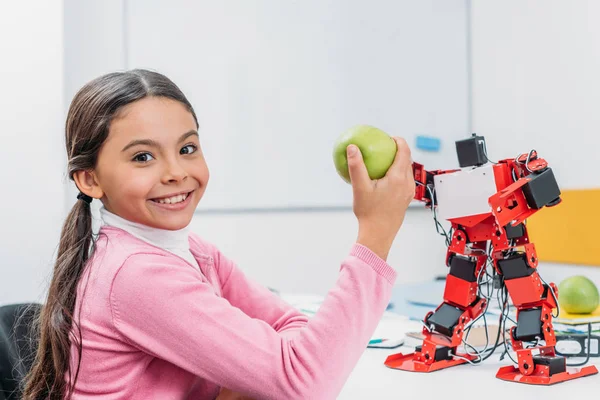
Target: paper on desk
x=583 y=328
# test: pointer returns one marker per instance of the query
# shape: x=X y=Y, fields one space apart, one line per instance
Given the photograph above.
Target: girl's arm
x=252 y=298
x=166 y=310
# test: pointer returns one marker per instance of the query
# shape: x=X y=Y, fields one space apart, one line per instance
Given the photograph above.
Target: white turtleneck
x=175 y=242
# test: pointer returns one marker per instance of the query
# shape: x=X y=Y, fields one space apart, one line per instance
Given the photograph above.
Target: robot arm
x=424 y=179
x=526 y=184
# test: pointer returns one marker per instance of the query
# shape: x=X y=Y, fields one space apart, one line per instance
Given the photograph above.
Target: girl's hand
x=227 y=394
x=380 y=205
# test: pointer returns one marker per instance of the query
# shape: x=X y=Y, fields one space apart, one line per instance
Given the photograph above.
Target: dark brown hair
x=87 y=127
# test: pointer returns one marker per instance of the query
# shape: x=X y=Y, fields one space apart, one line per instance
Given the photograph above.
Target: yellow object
x=578 y=319
x=568 y=233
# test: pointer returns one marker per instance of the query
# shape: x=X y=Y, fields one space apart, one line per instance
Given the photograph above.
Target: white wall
x=536 y=85
x=276 y=82
x=94 y=45
x=31 y=147
x=302 y=251
x=48 y=50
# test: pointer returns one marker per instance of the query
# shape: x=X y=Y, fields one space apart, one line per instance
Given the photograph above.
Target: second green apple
x=378 y=150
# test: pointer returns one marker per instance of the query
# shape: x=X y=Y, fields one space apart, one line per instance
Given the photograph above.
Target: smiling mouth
x=173 y=199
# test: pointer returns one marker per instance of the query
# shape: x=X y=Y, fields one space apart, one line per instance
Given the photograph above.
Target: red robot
x=487 y=204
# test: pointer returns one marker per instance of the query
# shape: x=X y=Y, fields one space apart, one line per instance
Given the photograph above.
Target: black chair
x=17 y=347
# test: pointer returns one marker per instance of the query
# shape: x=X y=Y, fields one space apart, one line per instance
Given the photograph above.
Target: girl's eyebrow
x=141 y=142
x=188 y=134
x=153 y=143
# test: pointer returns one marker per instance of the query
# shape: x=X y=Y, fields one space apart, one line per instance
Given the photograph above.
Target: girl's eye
x=189 y=149
x=143 y=157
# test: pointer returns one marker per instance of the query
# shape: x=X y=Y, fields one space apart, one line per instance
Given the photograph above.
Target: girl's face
x=151 y=169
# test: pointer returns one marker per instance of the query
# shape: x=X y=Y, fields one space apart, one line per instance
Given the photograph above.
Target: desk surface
x=371 y=379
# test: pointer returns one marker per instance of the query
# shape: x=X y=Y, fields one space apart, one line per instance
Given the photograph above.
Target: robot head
x=471 y=152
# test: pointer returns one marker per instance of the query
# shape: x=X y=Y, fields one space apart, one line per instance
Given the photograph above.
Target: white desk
x=371 y=379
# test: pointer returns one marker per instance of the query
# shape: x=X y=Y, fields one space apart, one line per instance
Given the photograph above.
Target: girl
x=148 y=310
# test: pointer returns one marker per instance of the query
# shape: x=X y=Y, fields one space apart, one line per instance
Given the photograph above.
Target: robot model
x=487 y=204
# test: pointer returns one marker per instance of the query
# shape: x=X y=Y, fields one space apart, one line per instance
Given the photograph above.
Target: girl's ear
x=88 y=184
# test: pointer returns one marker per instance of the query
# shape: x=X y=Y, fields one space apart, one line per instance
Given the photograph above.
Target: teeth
x=173 y=200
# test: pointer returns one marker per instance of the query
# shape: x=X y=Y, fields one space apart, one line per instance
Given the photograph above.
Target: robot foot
x=547 y=370
x=425 y=362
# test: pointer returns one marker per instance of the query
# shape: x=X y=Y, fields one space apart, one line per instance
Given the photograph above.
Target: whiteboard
x=274 y=83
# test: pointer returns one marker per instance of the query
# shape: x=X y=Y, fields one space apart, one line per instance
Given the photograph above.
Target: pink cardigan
x=156 y=327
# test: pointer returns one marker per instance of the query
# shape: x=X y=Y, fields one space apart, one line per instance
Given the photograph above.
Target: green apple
x=378 y=150
x=578 y=295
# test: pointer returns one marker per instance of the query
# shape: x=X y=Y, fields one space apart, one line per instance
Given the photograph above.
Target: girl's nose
x=174 y=172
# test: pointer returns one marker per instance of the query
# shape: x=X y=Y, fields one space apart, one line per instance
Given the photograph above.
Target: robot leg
x=534 y=300
x=444 y=328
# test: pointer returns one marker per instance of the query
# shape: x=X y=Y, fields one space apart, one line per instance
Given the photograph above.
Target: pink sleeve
x=167 y=311
x=256 y=300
